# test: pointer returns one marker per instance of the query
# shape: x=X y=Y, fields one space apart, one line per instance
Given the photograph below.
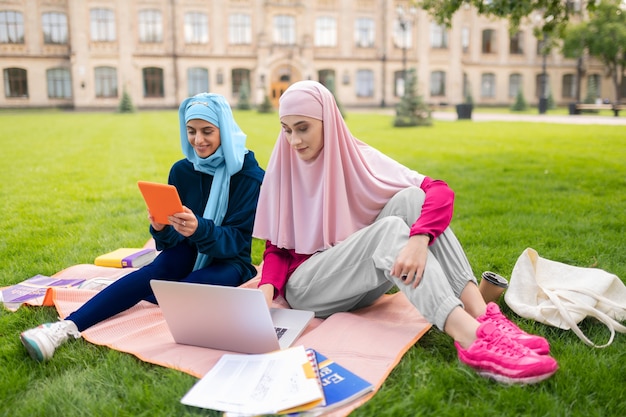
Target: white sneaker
x=41 y=341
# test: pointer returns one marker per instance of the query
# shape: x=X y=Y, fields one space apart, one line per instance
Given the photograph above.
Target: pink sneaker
x=536 y=343
x=494 y=355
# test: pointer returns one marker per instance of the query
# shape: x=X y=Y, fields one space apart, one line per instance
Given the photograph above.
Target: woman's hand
x=411 y=261
x=184 y=223
x=156 y=226
x=268 y=293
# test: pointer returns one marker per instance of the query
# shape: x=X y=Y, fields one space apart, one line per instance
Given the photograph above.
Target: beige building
x=85 y=53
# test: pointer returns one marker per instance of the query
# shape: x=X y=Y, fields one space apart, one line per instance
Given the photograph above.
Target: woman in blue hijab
x=209 y=242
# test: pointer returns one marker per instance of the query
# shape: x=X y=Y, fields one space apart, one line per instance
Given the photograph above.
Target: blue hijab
x=226 y=161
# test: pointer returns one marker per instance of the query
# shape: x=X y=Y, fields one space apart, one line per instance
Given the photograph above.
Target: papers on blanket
x=279 y=382
x=33 y=290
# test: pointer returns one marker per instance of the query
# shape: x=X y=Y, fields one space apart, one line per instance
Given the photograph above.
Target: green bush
x=520 y=102
x=126 y=104
x=412 y=110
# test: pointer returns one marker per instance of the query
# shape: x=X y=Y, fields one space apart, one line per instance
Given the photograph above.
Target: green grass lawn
x=69 y=194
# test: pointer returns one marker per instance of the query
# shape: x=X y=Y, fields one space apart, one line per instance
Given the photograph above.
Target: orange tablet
x=162 y=200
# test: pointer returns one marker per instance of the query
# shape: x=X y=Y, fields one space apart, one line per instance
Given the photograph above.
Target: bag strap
x=611 y=324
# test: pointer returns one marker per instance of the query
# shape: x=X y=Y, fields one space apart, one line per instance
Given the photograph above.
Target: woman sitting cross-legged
x=344 y=223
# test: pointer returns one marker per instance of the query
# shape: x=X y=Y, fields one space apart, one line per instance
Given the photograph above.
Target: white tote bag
x=562 y=295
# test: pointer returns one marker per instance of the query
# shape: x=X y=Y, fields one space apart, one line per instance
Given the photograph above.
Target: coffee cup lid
x=495 y=279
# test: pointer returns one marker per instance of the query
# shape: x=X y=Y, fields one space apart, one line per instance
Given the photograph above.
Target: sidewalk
x=586 y=119
x=580 y=119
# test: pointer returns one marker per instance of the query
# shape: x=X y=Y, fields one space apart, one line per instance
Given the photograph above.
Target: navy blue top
x=232 y=241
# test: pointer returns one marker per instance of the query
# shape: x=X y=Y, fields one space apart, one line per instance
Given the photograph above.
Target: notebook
x=162 y=200
x=234 y=319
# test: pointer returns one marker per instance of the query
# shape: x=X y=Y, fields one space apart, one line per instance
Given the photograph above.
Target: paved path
x=586 y=119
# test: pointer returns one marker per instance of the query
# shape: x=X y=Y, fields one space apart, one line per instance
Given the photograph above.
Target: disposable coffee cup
x=492 y=286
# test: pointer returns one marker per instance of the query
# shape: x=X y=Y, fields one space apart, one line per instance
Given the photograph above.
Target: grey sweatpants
x=355 y=272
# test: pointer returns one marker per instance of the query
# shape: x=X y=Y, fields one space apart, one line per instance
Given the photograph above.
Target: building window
x=403 y=34
x=325 y=31
x=398 y=82
x=240 y=76
x=364 y=83
x=364 y=32
x=11 y=27
x=488 y=86
x=59 y=83
x=569 y=86
x=102 y=25
x=150 y=26
x=538 y=85
x=284 y=30
x=197 y=81
x=489 y=41
x=515 y=84
x=240 y=29
x=153 y=82
x=437 y=83
x=196 y=28
x=465 y=38
x=516 y=44
x=106 y=82
x=15 y=82
x=54 y=27
x=573 y=6
x=438 y=36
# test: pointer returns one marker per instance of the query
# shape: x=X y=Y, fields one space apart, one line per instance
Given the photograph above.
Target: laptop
x=234 y=319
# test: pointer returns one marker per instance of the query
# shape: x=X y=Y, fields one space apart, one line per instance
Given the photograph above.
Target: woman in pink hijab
x=344 y=223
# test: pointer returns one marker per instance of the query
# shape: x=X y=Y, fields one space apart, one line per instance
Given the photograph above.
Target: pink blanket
x=369 y=342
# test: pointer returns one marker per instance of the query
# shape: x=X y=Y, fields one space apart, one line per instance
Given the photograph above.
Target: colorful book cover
x=340 y=386
x=36 y=287
x=127 y=258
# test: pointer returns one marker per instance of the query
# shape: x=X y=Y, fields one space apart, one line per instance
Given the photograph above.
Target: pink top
x=309 y=206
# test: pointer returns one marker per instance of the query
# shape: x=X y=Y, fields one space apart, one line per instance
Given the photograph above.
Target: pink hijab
x=311 y=206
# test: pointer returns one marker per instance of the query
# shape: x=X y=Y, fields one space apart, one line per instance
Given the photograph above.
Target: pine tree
x=592 y=91
x=329 y=82
x=520 y=102
x=126 y=103
x=551 y=103
x=244 y=96
x=266 y=106
x=412 y=110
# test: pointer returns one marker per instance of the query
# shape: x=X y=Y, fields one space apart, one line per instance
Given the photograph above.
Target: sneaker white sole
x=510 y=381
x=32 y=347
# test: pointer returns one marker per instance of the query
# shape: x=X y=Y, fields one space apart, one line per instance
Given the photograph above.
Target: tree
x=574 y=46
x=126 y=103
x=520 y=102
x=606 y=39
x=266 y=106
x=412 y=110
x=244 y=96
x=556 y=13
x=330 y=84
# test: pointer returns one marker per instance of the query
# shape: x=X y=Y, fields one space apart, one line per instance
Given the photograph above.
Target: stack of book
x=295 y=381
x=127 y=258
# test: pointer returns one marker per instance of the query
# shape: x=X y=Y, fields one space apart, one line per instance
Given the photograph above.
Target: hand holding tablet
x=162 y=200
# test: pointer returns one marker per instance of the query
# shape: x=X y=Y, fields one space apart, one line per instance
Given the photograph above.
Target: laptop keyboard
x=280 y=331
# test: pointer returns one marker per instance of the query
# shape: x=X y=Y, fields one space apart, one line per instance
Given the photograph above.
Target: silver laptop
x=227 y=318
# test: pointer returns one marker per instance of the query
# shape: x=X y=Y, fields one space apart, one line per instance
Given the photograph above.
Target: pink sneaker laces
x=493 y=315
